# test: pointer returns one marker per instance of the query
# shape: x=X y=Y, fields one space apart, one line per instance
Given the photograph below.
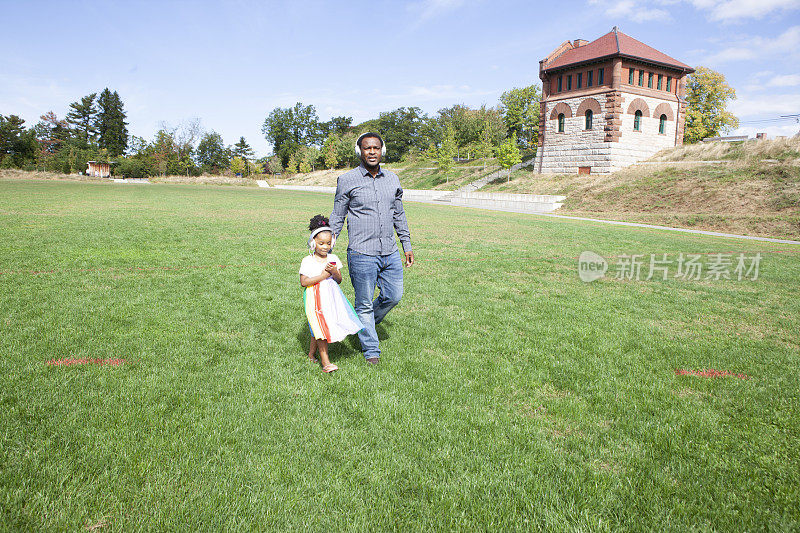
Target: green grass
x=511 y=396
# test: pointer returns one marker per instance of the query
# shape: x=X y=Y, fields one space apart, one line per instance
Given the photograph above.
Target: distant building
x=98 y=169
x=607 y=104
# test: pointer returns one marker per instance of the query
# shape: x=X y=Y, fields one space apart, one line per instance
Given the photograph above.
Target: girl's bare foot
x=312 y=350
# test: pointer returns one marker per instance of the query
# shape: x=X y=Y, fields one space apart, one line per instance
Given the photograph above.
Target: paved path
x=684 y=230
x=613 y=222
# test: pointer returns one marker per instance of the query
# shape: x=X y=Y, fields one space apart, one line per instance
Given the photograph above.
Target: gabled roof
x=612 y=44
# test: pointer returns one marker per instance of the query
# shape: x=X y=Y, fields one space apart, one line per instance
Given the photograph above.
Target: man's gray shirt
x=374 y=211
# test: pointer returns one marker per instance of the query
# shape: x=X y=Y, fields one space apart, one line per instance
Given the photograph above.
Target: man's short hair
x=368 y=135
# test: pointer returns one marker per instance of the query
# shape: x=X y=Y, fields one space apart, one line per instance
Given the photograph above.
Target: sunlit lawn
x=511 y=396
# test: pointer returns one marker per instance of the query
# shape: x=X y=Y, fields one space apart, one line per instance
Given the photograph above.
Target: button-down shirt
x=374 y=211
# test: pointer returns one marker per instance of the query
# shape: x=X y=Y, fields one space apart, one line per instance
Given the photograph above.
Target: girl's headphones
x=369 y=133
x=312 y=244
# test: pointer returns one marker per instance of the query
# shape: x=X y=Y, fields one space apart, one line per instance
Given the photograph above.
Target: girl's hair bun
x=318 y=221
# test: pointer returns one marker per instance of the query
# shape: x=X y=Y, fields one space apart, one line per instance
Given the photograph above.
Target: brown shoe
x=373 y=360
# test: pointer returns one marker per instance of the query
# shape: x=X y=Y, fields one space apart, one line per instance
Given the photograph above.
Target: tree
x=185 y=135
x=447 y=150
x=707 y=96
x=401 y=131
x=287 y=129
x=112 y=130
x=508 y=155
x=82 y=117
x=212 y=156
x=308 y=157
x=329 y=151
x=15 y=142
x=274 y=166
x=51 y=133
x=464 y=122
x=291 y=165
x=242 y=149
x=165 y=154
x=238 y=166
x=336 y=126
x=485 y=146
x=345 y=150
x=520 y=109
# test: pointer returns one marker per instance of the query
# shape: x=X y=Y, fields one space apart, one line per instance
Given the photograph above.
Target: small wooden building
x=98 y=169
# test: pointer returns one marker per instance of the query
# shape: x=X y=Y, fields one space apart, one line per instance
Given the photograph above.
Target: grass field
x=511 y=396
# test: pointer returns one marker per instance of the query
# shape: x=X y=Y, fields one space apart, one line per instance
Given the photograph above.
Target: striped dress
x=330 y=315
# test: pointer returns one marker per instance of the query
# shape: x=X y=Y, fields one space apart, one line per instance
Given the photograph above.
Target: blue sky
x=230 y=63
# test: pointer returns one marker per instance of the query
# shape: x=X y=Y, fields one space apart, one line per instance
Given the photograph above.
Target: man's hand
x=409 y=258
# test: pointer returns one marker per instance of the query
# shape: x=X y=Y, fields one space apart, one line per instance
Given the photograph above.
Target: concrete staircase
x=468 y=196
x=517 y=203
x=477 y=184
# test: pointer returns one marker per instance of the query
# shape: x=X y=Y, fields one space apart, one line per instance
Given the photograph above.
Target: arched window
x=637 y=121
x=662 y=124
x=561 y=123
x=588 y=119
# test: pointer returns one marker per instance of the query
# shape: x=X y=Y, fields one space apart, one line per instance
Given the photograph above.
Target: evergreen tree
x=242 y=149
x=83 y=117
x=111 y=126
x=11 y=129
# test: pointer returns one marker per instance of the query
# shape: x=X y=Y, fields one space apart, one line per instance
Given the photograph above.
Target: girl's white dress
x=330 y=315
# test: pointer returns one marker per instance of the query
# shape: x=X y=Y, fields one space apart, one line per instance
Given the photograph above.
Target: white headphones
x=312 y=244
x=358 y=143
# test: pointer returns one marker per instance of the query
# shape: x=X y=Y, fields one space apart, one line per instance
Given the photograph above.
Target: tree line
x=95 y=128
x=301 y=142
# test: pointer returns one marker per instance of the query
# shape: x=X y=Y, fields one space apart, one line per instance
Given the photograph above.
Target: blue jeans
x=366 y=273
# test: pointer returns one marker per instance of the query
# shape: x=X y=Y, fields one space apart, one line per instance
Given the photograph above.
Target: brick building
x=607 y=104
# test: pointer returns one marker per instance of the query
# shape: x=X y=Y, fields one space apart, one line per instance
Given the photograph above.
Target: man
x=371 y=199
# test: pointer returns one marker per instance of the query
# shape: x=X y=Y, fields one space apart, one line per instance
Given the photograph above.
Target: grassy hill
x=751 y=188
x=419 y=175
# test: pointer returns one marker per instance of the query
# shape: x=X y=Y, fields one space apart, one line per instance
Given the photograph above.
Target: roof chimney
x=579 y=42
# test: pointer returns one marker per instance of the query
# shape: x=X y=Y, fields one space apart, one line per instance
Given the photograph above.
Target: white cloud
x=756 y=47
x=634 y=10
x=788 y=80
x=772 y=131
x=426 y=10
x=728 y=10
x=765 y=106
x=717 y=10
x=731 y=54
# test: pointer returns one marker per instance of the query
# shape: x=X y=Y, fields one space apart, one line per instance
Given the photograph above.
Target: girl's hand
x=331 y=268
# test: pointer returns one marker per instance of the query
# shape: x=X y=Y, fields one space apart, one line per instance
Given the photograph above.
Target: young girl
x=331 y=318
